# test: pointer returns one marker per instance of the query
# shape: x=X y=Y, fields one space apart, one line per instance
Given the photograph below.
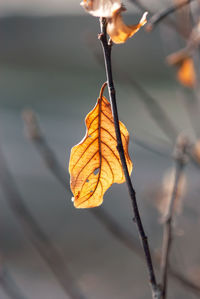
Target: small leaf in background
x=118 y=31
x=95 y=162
x=186 y=74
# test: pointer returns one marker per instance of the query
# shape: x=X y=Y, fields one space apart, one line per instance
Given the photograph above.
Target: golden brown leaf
x=95 y=163
x=119 y=32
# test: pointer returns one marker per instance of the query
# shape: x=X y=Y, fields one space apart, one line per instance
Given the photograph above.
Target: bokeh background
x=51 y=62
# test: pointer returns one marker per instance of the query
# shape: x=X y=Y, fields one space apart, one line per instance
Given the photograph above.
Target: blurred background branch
x=180 y=160
x=34 y=233
x=9 y=285
x=160 y=16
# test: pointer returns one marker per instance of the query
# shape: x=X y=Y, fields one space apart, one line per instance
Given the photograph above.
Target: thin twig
x=107 y=57
x=34 y=233
x=106 y=220
x=159 y=16
x=143 y=8
x=180 y=157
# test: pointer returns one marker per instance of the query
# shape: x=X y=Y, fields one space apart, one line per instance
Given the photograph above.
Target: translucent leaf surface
x=95 y=163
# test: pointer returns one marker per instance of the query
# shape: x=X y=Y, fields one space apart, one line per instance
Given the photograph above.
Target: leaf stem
x=107 y=58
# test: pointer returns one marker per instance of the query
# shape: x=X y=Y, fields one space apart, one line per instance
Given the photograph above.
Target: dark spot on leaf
x=96 y=171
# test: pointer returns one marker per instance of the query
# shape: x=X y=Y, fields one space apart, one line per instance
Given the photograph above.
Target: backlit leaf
x=95 y=163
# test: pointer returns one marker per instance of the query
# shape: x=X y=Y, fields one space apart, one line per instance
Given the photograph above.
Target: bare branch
x=180 y=158
x=159 y=16
x=107 y=57
x=143 y=7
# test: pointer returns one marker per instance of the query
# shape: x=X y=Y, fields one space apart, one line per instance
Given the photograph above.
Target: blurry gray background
x=49 y=55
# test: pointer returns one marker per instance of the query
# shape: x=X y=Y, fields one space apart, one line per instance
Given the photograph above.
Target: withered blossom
x=102 y=8
x=118 y=31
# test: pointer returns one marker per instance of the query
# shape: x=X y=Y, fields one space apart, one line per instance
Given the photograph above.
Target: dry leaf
x=185 y=68
x=119 y=32
x=95 y=163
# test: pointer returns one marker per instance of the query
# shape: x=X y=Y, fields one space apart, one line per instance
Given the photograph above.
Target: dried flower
x=102 y=8
x=111 y=10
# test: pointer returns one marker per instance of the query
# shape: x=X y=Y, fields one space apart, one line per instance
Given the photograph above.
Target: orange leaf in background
x=119 y=32
x=186 y=74
x=95 y=163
